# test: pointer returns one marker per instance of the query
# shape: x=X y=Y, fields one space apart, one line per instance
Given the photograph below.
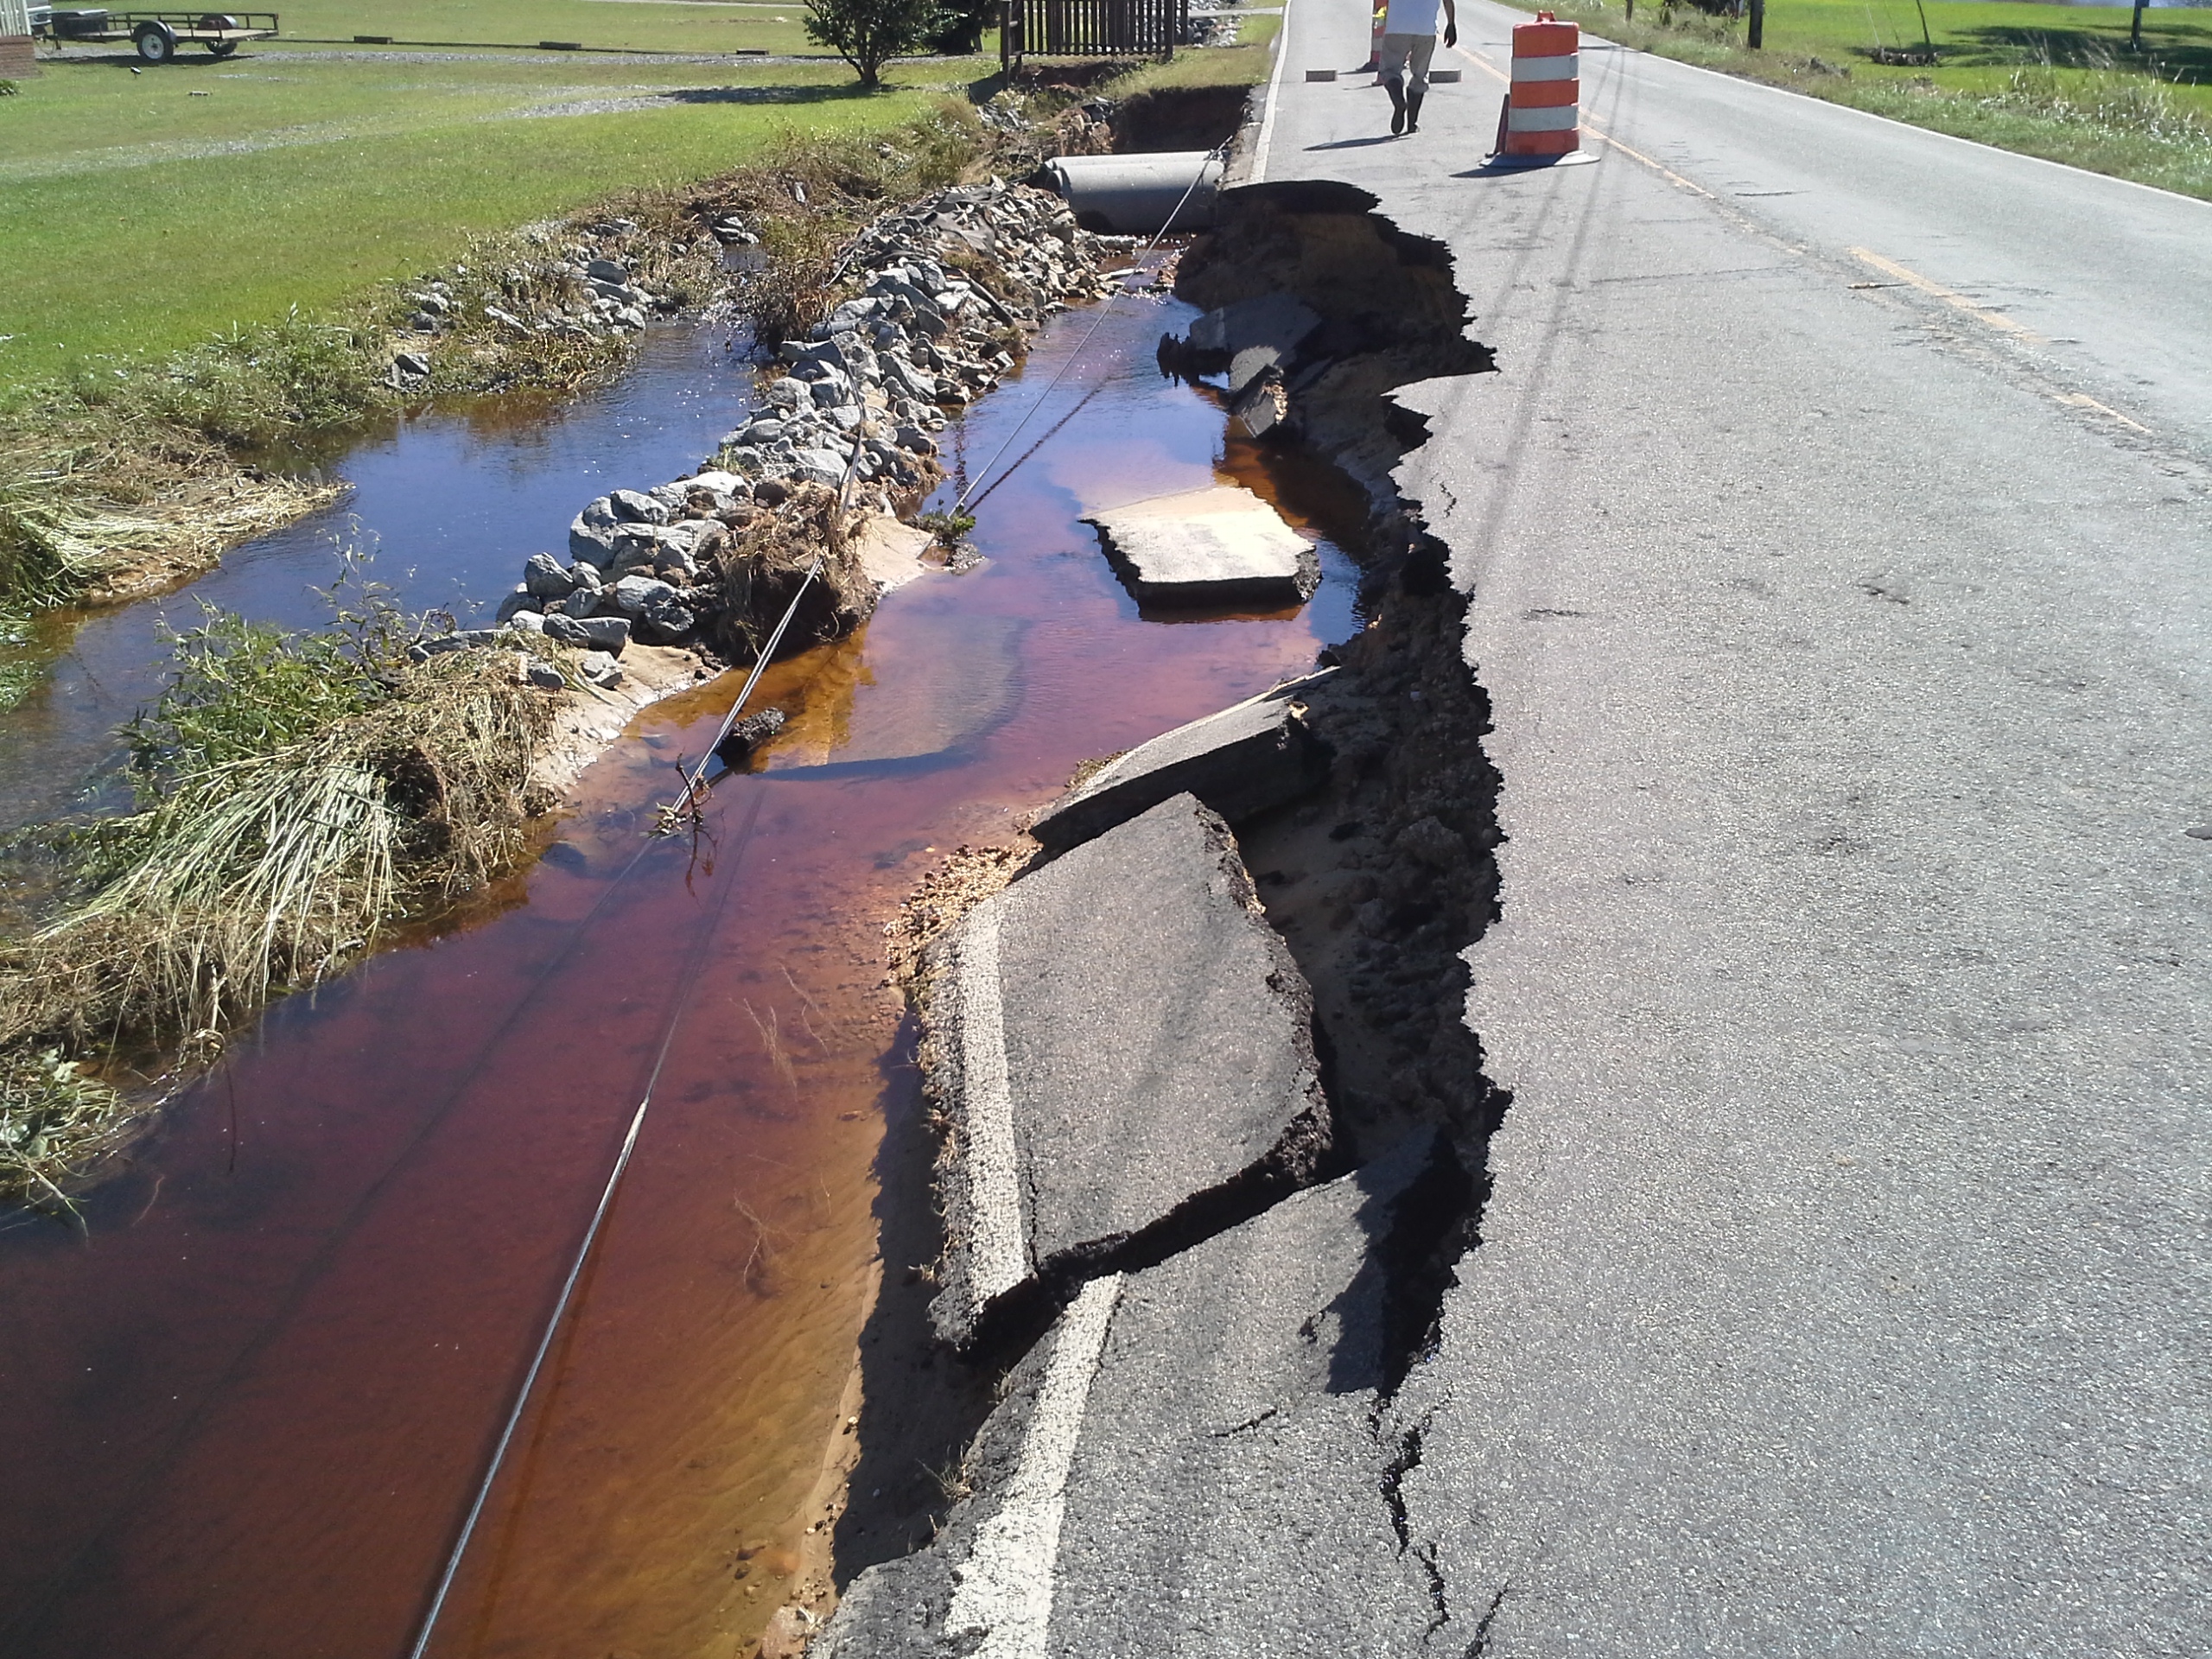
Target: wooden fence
x=1092 y=29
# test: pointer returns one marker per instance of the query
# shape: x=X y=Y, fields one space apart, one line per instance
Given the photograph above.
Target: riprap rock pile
x=948 y=291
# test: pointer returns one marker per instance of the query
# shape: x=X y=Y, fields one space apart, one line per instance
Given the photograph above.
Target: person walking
x=1408 y=42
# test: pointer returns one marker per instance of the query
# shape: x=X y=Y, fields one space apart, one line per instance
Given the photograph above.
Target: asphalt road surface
x=1836 y=538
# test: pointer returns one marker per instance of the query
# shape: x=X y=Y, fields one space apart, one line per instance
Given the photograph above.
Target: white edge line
x=1258 y=173
x=1004 y=1591
x=997 y=1259
x=1908 y=126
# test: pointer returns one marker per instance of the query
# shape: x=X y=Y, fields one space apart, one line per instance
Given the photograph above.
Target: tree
x=868 y=34
x=960 y=26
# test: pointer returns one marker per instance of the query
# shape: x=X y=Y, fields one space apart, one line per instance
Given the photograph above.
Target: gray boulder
x=638 y=548
x=465 y=640
x=591 y=544
x=636 y=507
x=544 y=577
x=818 y=466
x=665 y=621
x=591 y=533
x=520 y=602
x=606 y=634
x=631 y=594
x=599 y=669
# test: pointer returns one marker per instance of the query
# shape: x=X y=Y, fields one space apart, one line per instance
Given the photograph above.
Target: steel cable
x=591 y=1234
x=1219 y=150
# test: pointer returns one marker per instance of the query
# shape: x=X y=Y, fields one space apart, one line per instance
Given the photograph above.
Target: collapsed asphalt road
x=1788 y=691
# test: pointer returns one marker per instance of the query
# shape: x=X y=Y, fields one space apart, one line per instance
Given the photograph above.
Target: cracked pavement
x=1833 y=537
x=1842 y=1282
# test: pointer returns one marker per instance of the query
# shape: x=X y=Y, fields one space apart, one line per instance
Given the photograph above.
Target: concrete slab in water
x=1124 y=1049
x=891 y=553
x=1251 y=756
x=1217 y=546
x=1197 y=1460
x=1276 y=320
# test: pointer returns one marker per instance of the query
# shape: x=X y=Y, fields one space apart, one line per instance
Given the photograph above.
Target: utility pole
x=2135 y=27
x=1756 y=37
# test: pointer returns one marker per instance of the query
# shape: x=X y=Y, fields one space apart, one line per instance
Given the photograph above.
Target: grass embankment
x=1246 y=63
x=2058 y=82
x=296 y=796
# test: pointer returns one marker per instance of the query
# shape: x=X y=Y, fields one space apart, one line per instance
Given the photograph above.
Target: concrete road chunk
x=1280 y=320
x=1251 y=756
x=1217 y=546
x=1124 y=1050
x=1189 y=1463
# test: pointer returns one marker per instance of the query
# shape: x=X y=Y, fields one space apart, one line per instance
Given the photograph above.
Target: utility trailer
x=155 y=35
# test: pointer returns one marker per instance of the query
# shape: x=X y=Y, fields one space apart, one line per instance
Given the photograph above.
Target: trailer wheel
x=157 y=43
x=222 y=49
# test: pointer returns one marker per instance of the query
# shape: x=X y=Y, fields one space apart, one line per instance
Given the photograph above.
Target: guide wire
x=768 y=654
x=591 y=1233
x=1104 y=309
x=311 y=1273
x=28 y=1616
x=759 y=667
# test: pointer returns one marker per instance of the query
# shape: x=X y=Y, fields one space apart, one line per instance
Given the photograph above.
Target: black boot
x=1396 y=88
x=1413 y=112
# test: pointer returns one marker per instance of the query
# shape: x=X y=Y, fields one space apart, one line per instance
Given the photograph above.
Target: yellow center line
x=1890 y=268
x=1936 y=290
x=2082 y=400
x=1588 y=125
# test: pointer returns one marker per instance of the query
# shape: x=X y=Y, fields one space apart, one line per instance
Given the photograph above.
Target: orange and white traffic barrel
x=1540 y=110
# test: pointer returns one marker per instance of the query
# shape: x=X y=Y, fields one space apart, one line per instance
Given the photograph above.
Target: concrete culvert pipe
x=1133 y=194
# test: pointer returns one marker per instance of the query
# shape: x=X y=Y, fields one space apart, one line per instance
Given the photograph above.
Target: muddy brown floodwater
x=248 y=1405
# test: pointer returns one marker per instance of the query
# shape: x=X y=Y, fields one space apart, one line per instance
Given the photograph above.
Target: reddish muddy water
x=249 y=1402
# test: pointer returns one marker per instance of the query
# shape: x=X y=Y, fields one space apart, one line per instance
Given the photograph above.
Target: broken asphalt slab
x=1189 y=1462
x=1123 y=1050
x=1217 y=546
x=1253 y=755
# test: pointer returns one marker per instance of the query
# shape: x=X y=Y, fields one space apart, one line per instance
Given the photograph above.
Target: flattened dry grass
x=299 y=795
x=53 y=1117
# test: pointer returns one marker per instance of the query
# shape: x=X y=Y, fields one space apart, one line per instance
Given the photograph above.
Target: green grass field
x=137 y=219
x=2056 y=81
x=687 y=26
